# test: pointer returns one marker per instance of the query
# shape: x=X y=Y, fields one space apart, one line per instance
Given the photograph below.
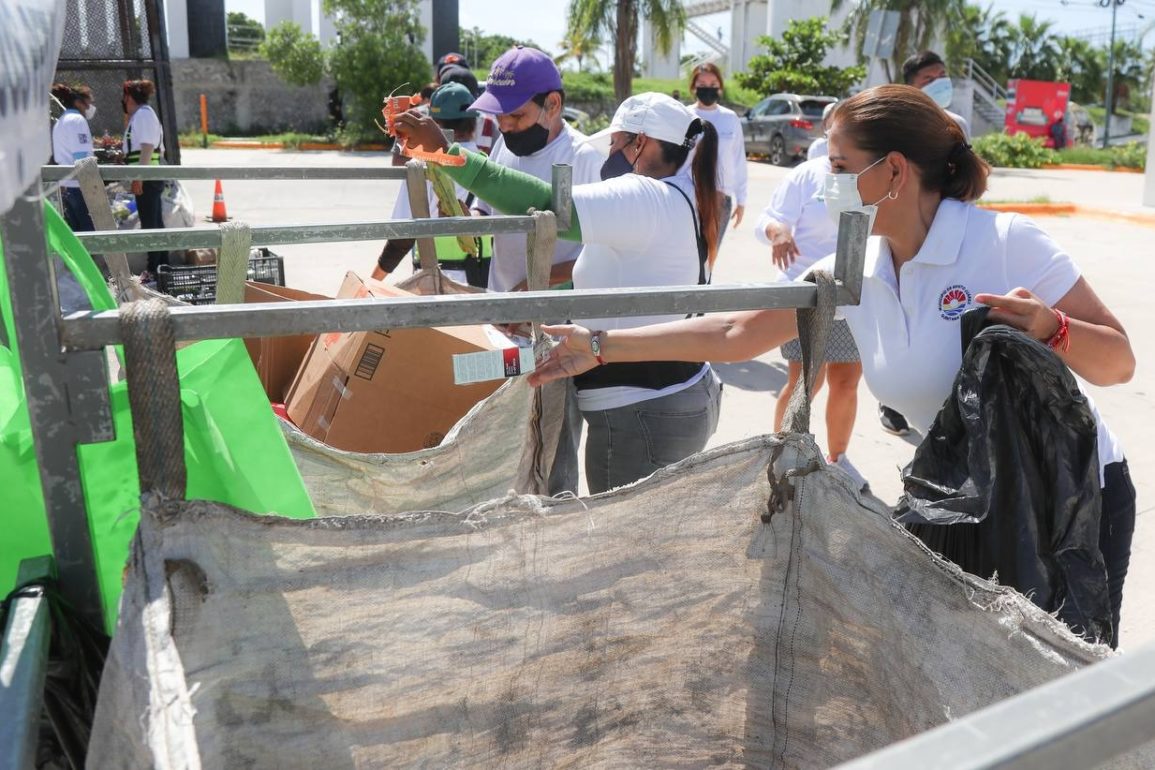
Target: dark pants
x=76 y=210
x=1116 y=527
x=149 y=211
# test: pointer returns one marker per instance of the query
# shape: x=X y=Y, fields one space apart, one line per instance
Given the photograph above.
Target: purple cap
x=517 y=76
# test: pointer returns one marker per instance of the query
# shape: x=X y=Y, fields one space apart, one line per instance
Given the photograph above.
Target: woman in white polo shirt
x=935 y=254
x=652 y=221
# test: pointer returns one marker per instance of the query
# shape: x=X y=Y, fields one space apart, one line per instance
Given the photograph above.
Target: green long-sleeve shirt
x=506 y=189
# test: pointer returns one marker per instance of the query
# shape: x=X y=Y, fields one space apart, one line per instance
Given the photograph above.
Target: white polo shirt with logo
x=71 y=141
x=507 y=269
x=908 y=331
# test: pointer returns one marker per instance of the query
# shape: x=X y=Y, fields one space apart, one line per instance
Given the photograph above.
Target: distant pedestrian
x=707 y=84
x=72 y=141
x=926 y=71
x=144 y=145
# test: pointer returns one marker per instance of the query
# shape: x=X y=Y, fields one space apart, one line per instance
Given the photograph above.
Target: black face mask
x=527 y=142
x=616 y=165
x=707 y=96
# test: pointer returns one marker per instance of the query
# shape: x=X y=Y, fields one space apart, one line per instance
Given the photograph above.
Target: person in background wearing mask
x=893 y=149
x=449 y=108
x=926 y=71
x=72 y=141
x=144 y=144
x=524 y=92
x=453 y=68
x=653 y=221
x=799 y=230
x=818 y=146
x=707 y=85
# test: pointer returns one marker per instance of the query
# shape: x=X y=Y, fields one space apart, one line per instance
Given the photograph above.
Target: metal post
x=92 y=188
x=1110 y=72
x=562 y=195
x=851 y=252
x=24 y=666
x=46 y=373
x=419 y=206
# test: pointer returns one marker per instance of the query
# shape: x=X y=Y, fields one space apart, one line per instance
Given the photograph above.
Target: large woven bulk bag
x=664 y=624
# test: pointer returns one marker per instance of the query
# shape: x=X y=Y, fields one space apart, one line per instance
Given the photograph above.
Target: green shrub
x=1013 y=151
x=587 y=86
x=1130 y=155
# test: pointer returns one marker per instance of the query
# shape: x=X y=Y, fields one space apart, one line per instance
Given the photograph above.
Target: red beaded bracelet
x=1062 y=335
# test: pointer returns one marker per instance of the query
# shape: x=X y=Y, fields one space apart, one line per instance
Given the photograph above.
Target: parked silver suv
x=782 y=126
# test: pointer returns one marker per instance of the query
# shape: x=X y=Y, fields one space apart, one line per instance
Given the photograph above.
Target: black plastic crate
x=197 y=284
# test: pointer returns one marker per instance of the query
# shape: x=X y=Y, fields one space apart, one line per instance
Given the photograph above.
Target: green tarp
x=233 y=447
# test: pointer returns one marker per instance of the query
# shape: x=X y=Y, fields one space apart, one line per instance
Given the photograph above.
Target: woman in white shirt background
x=899 y=157
x=144 y=144
x=72 y=141
x=707 y=85
x=799 y=231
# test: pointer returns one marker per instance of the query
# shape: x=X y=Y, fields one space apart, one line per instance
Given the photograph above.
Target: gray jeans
x=631 y=442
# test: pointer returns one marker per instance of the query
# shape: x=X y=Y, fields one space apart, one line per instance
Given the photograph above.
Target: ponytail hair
x=705 y=174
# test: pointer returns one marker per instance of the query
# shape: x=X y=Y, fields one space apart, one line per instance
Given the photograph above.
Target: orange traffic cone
x=220 y=214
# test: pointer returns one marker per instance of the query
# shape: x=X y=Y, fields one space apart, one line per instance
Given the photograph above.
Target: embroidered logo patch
x=954 y=301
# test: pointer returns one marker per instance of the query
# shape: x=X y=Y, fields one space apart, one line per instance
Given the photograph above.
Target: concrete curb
x=1090 y=167
x=1072 y=210
x=238 y=144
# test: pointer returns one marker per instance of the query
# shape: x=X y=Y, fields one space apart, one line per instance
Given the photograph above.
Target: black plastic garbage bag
x=1006 y=482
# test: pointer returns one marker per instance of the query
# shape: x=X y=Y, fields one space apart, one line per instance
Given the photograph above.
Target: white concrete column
x=749 y=20
x=176 y=21
x=298 y=11
x=659 y=65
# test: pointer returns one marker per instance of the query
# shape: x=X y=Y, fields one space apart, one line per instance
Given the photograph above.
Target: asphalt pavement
x=1113 y=256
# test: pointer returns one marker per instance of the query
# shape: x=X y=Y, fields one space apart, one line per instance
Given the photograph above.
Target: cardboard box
x=385 y=391
x=277 y=359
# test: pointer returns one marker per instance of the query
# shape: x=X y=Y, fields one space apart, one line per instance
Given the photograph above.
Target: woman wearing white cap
x=652 y=221
x=897 y=156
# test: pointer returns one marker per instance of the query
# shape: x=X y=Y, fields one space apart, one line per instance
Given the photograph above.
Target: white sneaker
x=844 y=463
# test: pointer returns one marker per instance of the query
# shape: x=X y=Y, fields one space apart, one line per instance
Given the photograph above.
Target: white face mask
x=840 y=193
x=941 y=90
x=90 y=112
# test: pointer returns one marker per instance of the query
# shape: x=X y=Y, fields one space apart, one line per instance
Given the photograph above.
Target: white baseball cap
x=656 y=115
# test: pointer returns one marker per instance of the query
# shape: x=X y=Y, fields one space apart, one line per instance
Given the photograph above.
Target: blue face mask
x=941 y=90
x=616 y=165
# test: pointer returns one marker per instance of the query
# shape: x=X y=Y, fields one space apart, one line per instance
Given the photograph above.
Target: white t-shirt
x=731 y=150
x=143 y=128
x=71 y=141
x=818 y=149
x=797 y=203
x=908 y=332
x=637 y=231
x=507 y=269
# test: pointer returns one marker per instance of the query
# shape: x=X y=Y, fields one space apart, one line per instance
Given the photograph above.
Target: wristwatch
x=596 y=346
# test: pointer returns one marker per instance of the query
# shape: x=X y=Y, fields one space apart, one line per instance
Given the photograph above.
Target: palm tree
x=577 y=46
x=1035 y=55
x=920 y=23
x=592 y=19
x=1084 y=67
x=984 y=35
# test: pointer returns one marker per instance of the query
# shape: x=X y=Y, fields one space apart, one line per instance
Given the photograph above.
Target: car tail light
x=799 y=123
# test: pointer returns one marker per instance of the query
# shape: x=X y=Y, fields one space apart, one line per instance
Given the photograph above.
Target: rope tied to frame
x=154 y=397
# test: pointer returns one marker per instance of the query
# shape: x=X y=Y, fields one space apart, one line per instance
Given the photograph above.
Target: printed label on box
x=491 y=365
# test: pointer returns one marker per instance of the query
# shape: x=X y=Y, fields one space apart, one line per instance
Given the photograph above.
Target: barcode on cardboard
x=369 y=362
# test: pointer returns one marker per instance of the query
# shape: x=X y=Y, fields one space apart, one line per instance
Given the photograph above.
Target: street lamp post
x=1110 y=70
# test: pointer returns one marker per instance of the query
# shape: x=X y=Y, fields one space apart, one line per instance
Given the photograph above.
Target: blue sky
x=547 y=23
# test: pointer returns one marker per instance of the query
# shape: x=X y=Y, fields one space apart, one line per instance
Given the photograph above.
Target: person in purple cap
x=524 y=93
